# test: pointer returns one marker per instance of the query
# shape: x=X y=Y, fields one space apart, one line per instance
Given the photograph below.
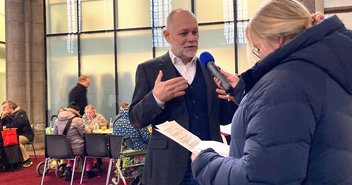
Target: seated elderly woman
x=74 y=133
x=93 y=119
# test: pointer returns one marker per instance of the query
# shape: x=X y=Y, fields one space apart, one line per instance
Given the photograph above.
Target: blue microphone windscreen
x=206 y=57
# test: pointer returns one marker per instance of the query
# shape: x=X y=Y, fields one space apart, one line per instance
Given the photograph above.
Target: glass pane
x=97 y=61
x=2 y=73
x=245 y=61
x=2 y=20
x=161 y=50
x=133 y=13
x=62 y=70
x=133 y=48
x=248 y=8
x=218 y=46
x=61 y=16
x=160 y=10
x=97 y=15
x=242 y=11
x=185 y=4
x=253 y=5
x=210 y=10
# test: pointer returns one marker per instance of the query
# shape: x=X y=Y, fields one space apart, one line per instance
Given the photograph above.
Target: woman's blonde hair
x=278 y=18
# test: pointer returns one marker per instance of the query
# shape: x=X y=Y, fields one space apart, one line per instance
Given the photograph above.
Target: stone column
x=25 y=82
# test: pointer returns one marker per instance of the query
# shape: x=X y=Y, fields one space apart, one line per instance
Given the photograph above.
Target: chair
x=31 y=143
x=57 y=147
x=95 y=145
x=116 y=147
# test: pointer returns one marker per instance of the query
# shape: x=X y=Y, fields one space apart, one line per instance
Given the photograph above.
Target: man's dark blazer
x=167 y=161
x=78 y=95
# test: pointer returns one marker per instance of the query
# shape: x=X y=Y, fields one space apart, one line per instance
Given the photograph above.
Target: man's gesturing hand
x=166 y=90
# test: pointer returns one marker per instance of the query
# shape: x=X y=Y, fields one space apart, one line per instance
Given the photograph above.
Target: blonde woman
x=293 y=125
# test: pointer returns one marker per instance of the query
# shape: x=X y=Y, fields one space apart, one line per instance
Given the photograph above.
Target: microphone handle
x=225 y=84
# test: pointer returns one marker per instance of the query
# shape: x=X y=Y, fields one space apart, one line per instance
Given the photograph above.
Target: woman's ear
x=280 y=41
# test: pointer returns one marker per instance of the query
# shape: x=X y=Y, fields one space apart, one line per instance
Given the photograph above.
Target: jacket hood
x=326 y=45
x=67 y=113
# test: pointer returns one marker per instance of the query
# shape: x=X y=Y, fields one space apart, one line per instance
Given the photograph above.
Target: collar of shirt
x=187 y=71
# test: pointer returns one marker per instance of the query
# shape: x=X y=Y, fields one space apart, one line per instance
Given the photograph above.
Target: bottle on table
x=110 y=123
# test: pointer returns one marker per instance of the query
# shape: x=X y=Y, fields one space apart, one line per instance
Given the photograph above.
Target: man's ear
x=166 y=34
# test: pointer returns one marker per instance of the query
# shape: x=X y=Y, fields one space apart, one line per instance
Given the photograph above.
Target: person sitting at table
x=122 y=126
x=93 y=119
x=74 y=134
x=15 y=117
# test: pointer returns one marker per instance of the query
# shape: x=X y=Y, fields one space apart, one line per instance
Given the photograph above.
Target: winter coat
x=18 y=119
x=294 y=125
x=78 y=95
x=122 y=126
x=75 y=133
x=98 y=119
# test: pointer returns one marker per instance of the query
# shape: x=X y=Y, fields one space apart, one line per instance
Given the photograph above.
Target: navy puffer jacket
x=294 y=126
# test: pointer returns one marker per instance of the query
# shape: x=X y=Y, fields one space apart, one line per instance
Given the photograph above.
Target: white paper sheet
x=179 y=134
x=226 y=129
x=188 y=140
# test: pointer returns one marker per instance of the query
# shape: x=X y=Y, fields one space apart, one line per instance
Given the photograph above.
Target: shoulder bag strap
x=68 y=125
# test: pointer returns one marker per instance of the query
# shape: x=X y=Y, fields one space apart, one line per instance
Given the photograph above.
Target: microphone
x=208 y=60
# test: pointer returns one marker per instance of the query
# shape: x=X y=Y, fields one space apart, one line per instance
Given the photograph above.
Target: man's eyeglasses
x=256 y=52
